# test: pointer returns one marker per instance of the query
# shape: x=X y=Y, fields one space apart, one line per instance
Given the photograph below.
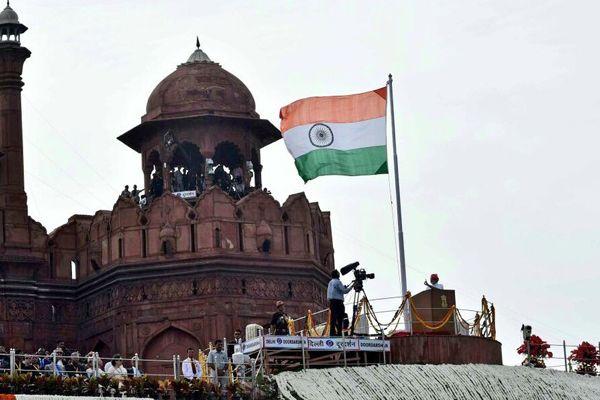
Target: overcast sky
x=496 y=115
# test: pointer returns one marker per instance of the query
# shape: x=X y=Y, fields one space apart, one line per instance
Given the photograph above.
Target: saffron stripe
x=350 y=108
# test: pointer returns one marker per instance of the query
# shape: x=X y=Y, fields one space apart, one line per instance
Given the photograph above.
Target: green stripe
x=363 y=161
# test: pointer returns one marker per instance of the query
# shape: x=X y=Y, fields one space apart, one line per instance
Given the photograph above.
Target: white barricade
x=314 y=344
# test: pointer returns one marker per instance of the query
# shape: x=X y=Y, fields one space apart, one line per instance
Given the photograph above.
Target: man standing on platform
x=237 y=340
x=217 y=361
x=335 y=295
x=279 y=321
x=191 y=367
x=435 y=282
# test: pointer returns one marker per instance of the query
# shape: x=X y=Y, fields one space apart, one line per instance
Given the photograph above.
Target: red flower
x=538 y=350
x=586 y=357
x=537 y=347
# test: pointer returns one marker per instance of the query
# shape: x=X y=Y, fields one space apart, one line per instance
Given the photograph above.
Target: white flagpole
x=397 y=186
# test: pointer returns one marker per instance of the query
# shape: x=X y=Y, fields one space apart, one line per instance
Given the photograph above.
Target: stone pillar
x=147 y=181
x=13 y=200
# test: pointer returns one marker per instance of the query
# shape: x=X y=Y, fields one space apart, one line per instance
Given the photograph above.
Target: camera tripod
x=355 y=302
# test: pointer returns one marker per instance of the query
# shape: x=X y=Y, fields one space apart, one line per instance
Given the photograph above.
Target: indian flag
x=337 y=135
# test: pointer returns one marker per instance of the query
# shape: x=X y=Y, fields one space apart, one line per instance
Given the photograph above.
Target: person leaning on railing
x=4 y=359
x=132 y=370
x=109 y=363
x=29 y=366
x=73 y=366
x=58 y=367
x=190 y=367
x=217 y=362
x=117 y=370
x=90 y=372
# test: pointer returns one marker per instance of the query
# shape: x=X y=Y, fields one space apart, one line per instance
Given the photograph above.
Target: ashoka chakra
x=320 y=135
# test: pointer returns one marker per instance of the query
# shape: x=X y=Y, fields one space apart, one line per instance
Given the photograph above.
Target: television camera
x=360 y=275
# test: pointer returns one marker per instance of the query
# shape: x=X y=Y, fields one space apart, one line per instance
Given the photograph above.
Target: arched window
x=74 y=269
x=121 y=248
x=241 y=236
x=51 y=262
x=166 y=248
x=266 y=246
x=229 y=169
x=193 y=237
x=286 y=239
x=217 y=238
x=187 y=168
x=144 y=243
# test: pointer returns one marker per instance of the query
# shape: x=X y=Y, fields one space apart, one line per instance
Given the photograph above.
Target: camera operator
x=335 y=295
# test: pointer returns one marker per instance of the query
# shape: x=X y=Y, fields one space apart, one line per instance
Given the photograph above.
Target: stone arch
x=163 y=345
x=298 y=209
x=187 y=168
x=152 y=168
x=228 y=172
x=228 y=154
x=103 y=350
x=260 y=205
x=153 y=160
x=257 y=167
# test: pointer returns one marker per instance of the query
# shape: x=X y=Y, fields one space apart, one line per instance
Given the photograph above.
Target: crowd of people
x=235 y=182
x=64 y=362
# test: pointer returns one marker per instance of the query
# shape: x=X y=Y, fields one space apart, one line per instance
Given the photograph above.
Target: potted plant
x=535 y=353
x=586 y=358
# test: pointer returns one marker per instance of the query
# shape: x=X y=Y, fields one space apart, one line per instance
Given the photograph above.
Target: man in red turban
x=434 y=279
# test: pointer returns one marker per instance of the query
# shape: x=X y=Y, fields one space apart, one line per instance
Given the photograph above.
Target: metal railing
x=93 y=366
x=464 y=321
x=562 y=359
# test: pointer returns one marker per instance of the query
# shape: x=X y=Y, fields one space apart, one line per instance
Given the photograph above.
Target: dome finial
x=198 y=55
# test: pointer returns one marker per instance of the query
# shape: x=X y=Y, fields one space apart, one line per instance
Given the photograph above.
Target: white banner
x=252 y=345
x=186 y=194
x=284 y=342
x=332 y=344
x=373 y=345
x=314 y=344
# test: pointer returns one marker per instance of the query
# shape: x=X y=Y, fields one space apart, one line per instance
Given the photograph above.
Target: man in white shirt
x=335 y=296
x=217 y=362
x=237 y=340
x=191 y=367
x=59 y=366
x=434 y=282
x=117 y=370
x=109 y=363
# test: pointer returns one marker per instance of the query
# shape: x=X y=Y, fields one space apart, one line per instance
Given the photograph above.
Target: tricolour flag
x=337 y=135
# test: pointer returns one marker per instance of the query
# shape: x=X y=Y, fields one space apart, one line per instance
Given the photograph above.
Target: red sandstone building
x=159 y=277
